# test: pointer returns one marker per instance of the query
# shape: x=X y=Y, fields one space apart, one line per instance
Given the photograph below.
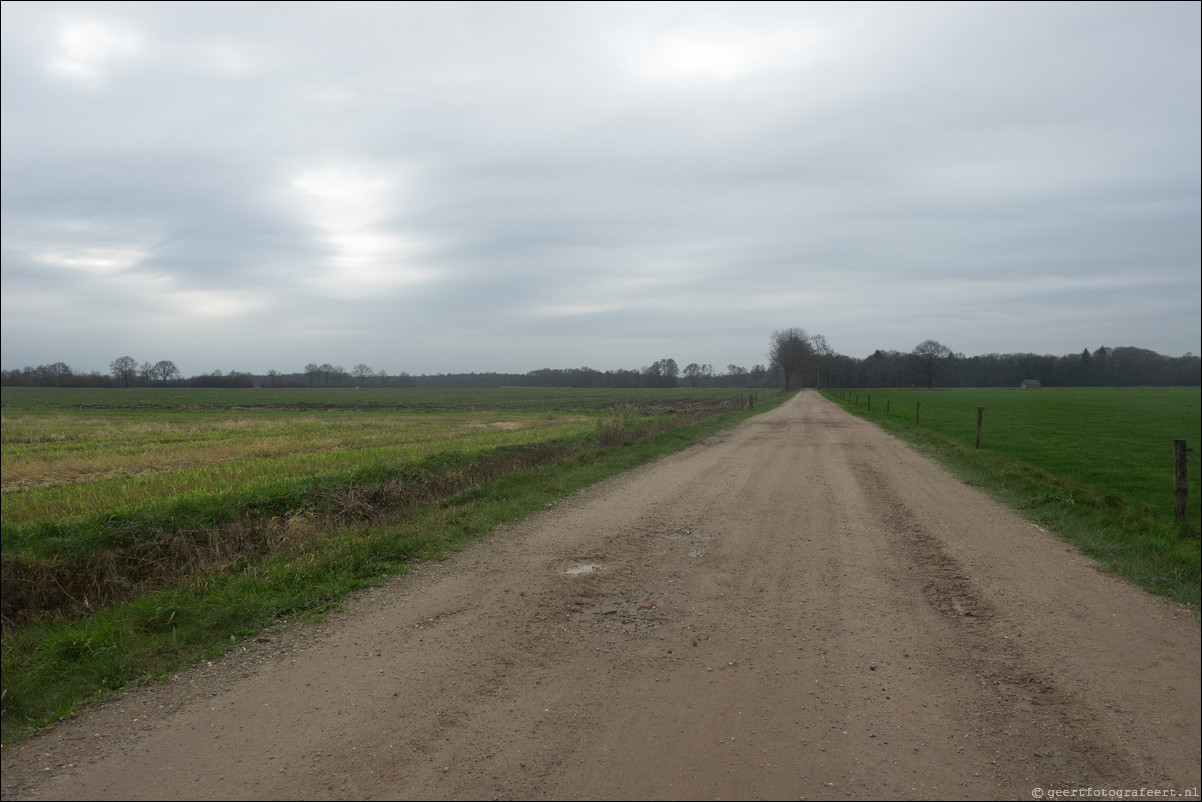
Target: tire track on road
x=1017 y=700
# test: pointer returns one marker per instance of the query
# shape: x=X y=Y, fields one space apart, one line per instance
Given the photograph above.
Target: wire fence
x=1128 y=441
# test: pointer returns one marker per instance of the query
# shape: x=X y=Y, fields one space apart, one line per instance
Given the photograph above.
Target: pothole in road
x=583 y=568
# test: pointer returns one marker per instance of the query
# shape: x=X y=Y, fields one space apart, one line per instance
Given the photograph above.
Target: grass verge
x=1125 y=536
x=53 y=667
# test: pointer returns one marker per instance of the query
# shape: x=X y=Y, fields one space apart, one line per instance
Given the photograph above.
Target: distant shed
x=1030 y=384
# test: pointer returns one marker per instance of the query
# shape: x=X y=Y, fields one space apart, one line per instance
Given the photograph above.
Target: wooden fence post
x=870 y=403
x=887 y=403
x=1180 y=488
x=917 y=412
x=980 y=411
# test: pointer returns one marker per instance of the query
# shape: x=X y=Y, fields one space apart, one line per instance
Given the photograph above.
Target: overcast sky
x=462 y=187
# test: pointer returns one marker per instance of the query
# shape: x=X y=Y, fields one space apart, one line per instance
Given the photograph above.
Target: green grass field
x=406 y=399
x=143 y=529
x=60 y=466
x=69 y=453
x=1095 y=465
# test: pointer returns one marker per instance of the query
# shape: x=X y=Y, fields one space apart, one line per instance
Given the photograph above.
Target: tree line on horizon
x=795 y=359
x=813 y=363
x=127 y=372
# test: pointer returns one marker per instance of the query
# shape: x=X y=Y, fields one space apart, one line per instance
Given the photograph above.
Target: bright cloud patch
x=349 y=207
x=85 y=49
x=699 y=55
x=720 y=51
x=93 y=260
x=213 y=303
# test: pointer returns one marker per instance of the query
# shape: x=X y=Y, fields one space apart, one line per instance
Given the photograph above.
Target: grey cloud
x=554 y=189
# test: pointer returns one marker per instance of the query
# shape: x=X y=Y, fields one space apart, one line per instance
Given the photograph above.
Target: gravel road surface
x=798 y=608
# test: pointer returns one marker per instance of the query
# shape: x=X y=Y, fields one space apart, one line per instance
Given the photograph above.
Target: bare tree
x=930 y=356
x=825 y=358
x=661 y=373
x=124 y=370
x=361 y=372
x=165 y=371
x=792 y=352
x=669 y=371
x=53 y=375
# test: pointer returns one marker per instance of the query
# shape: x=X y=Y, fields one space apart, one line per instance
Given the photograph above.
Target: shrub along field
x=1095 y=465
x=144 y=528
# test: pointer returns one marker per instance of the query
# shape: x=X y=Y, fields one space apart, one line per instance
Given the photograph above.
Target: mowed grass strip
x=1095 y=465
x=53 y=666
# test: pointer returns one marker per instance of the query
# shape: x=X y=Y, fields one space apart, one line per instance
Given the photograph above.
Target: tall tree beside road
x=792 y=352
x=824 y=356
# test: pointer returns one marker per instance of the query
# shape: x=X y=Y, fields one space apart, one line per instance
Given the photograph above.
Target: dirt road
x=800 y=607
